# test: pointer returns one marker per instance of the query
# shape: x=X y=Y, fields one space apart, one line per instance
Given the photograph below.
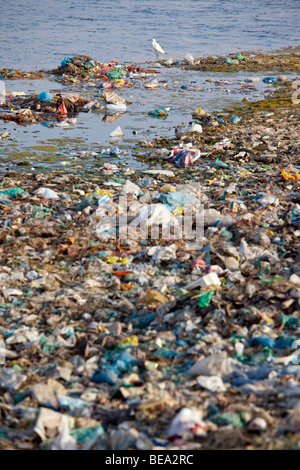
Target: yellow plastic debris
x=153 y=298
x=167 y=188
x=116 y=259
x=178 y=211
x=132 y=340
x=290 y=176
x=112 y=260
x=103 y=191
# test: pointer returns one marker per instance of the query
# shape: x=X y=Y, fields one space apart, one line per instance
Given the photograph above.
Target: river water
x=38 y=33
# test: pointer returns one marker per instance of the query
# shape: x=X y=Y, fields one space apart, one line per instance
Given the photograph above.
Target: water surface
x=38 y=34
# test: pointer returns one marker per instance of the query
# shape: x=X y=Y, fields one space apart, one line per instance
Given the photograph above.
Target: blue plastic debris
x=235 y=119
x=45 y=96
x=270 y=80
x=64 y=62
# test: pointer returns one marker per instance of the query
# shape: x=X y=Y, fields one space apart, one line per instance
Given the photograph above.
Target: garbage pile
x=288 y=61
x=157 y=308
x=82 y=68
x=41 y=107
x=12 y=74
x=114 y=343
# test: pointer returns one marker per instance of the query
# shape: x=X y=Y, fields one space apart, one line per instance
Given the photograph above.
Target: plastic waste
x=115 y=74
x=65 y=61
x=216 y=364
x=187 y=421
x=212 y=383
x=257 y=425
x=198 y=113
x=117 y=132
x=235 y=119
x=155 y=214
x=13 y=192
x=162 y=253
x=160 y=113
x=123 y=362
x=153 y=299
x=213 y=327
x=189 y=58
x=64 y=441
x=252 y=80
x=196 y=128
x=282 y=78
x=131 y=188
x=211 y=279
x=270 y=79
x=153 y=84
x=114 y=103
x=219 y=164
x=226 y=419
x=177 y=198
x=222 y=144
x=45 y=96
x=47 y=193
x=230 y=61
x=10 y=379
x=205 y=299
x=49 y=423
x=160 y=172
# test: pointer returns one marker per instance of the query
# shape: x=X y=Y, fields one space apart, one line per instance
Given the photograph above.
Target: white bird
x=158 y=49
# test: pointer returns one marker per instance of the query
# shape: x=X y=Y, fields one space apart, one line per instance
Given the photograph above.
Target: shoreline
x=256 y=61
x=112 y=340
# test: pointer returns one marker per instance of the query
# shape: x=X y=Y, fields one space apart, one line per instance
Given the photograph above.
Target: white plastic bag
x=188 y=420
x=47 y=193
x=117 y=132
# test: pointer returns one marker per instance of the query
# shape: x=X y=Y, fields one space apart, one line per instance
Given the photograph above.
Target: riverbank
x=113 y=339
x=281 y=61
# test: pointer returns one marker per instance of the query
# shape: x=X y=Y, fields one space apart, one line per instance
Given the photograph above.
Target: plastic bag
x=152 y=214
x=47 y=193
x=189 y=58
x=216 y=364
x=45 y=96
x=162 y=253
x=12 y=192
x=62 y=109
x=131 y=188
x=204 y=299
x=188 y=420
x=235 y=119
x=117 y=132
x=152 y=84
x=179 y=199
x=114 y=102
x=160 y=113
x=270 y=79
x=183 y=158
x=115 y=74
x=50 y=422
